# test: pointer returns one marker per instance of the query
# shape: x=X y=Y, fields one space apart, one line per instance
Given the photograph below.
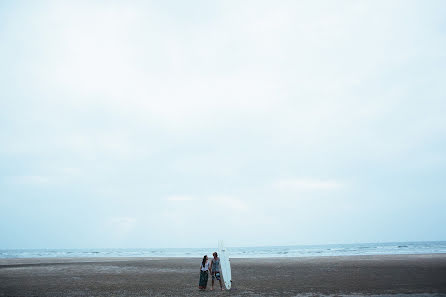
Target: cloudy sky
x=177 y=123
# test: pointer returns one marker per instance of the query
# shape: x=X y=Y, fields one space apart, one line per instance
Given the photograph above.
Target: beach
x=373 y=275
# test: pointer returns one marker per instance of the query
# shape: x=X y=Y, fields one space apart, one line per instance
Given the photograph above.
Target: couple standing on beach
x=214 y=268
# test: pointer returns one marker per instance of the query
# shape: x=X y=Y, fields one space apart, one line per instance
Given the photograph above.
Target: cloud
x=54 y=175
x=29 y=180
x=181 y=198
x=121 y=226
x=229 y=202
x=222 y=201
x=307 y=185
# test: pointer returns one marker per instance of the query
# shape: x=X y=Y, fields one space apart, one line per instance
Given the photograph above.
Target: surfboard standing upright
x=225 y=264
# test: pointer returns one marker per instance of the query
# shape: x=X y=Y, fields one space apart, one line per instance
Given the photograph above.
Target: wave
x=241 y=252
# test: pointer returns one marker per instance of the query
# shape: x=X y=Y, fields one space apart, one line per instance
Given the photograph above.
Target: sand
x=404 y=275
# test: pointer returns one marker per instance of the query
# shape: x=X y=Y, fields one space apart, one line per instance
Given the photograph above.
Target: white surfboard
x=225 y=264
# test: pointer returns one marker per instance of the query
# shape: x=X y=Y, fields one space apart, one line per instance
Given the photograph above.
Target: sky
x=142 y=124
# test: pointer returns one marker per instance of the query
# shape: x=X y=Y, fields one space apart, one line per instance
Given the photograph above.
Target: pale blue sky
x=175 y=124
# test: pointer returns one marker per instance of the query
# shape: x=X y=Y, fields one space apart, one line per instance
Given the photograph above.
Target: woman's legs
x=202 y=284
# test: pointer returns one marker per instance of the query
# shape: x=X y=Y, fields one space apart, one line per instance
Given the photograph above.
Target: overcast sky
x=178 y=123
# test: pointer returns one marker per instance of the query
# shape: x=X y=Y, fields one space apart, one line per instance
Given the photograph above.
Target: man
x=215 y=270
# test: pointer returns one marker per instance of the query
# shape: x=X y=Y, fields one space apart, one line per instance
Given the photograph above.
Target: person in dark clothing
x=204 y=273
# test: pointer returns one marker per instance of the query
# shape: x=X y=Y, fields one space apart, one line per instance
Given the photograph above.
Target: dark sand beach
x=403 y=275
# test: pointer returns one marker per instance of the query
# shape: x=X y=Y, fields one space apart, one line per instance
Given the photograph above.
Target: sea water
x=390 y=248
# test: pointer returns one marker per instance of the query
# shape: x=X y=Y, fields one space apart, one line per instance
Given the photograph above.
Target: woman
x=204 y=270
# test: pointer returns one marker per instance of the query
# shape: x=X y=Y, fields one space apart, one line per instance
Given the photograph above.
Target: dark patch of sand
x=404 y=275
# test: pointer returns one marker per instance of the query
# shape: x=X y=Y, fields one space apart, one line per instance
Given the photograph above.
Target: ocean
x=391 y=248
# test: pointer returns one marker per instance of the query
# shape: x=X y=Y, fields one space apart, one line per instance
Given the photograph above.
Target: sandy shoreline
x=405 y=275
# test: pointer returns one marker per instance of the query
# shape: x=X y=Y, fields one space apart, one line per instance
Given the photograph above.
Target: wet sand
x=404 y=275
